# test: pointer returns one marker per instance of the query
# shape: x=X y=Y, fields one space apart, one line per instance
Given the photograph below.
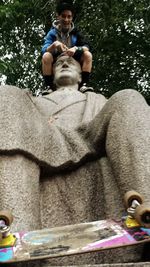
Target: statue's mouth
x=65 y=70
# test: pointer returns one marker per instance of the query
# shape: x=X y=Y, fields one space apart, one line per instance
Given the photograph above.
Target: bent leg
x=19 y=191
x=47 y=70
x=122 y=129
x=128 y=142
x=47 y=61
x=86 y=61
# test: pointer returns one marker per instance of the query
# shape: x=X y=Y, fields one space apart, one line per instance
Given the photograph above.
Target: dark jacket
x=72 y=38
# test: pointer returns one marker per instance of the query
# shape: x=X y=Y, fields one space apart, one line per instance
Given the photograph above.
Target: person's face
x=67 y=71
x=65 y=19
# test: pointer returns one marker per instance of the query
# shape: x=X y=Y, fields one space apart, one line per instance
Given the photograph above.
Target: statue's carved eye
x=58 y=63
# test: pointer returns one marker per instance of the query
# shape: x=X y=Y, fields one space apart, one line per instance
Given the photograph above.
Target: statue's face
x=67 y=71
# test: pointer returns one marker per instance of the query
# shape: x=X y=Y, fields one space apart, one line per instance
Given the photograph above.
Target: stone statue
x=69 y=157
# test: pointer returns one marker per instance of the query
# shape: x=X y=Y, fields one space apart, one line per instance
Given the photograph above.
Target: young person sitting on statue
x=64 y=38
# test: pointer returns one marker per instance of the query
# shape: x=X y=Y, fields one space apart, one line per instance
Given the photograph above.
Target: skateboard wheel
x=130 y=196
x=6 y=216
x=142 y=215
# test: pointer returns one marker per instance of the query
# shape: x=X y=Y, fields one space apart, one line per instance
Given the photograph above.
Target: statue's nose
x=65 y=65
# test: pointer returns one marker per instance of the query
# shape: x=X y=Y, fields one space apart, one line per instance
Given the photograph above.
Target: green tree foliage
x=119 y=32
x=120 y=35
x=23 y=24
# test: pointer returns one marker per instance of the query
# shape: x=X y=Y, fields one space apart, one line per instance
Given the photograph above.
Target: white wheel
x=130 y=196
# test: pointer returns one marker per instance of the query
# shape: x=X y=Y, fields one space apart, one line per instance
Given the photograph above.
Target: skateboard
x=132 y=229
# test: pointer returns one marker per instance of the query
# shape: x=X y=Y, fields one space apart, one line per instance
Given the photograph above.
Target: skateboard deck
x=72 y=239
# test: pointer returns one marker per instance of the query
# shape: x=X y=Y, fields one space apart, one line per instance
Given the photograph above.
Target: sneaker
x=38 y=92
x=84 y=88
x=47 y=91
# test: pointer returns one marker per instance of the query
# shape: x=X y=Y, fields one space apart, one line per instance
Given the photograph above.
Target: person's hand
x=70 y=52
x=60 y=46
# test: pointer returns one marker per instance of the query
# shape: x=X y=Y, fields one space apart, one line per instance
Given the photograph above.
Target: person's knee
x=47 y=58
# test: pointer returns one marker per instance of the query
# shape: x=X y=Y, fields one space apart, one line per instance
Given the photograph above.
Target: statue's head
x=67 y=71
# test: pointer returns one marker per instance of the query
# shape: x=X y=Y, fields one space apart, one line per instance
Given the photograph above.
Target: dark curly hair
x=65 y=6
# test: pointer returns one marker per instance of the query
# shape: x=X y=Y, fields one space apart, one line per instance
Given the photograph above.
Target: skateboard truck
x=132 y=208
x=138 y=213
x=6 y=238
